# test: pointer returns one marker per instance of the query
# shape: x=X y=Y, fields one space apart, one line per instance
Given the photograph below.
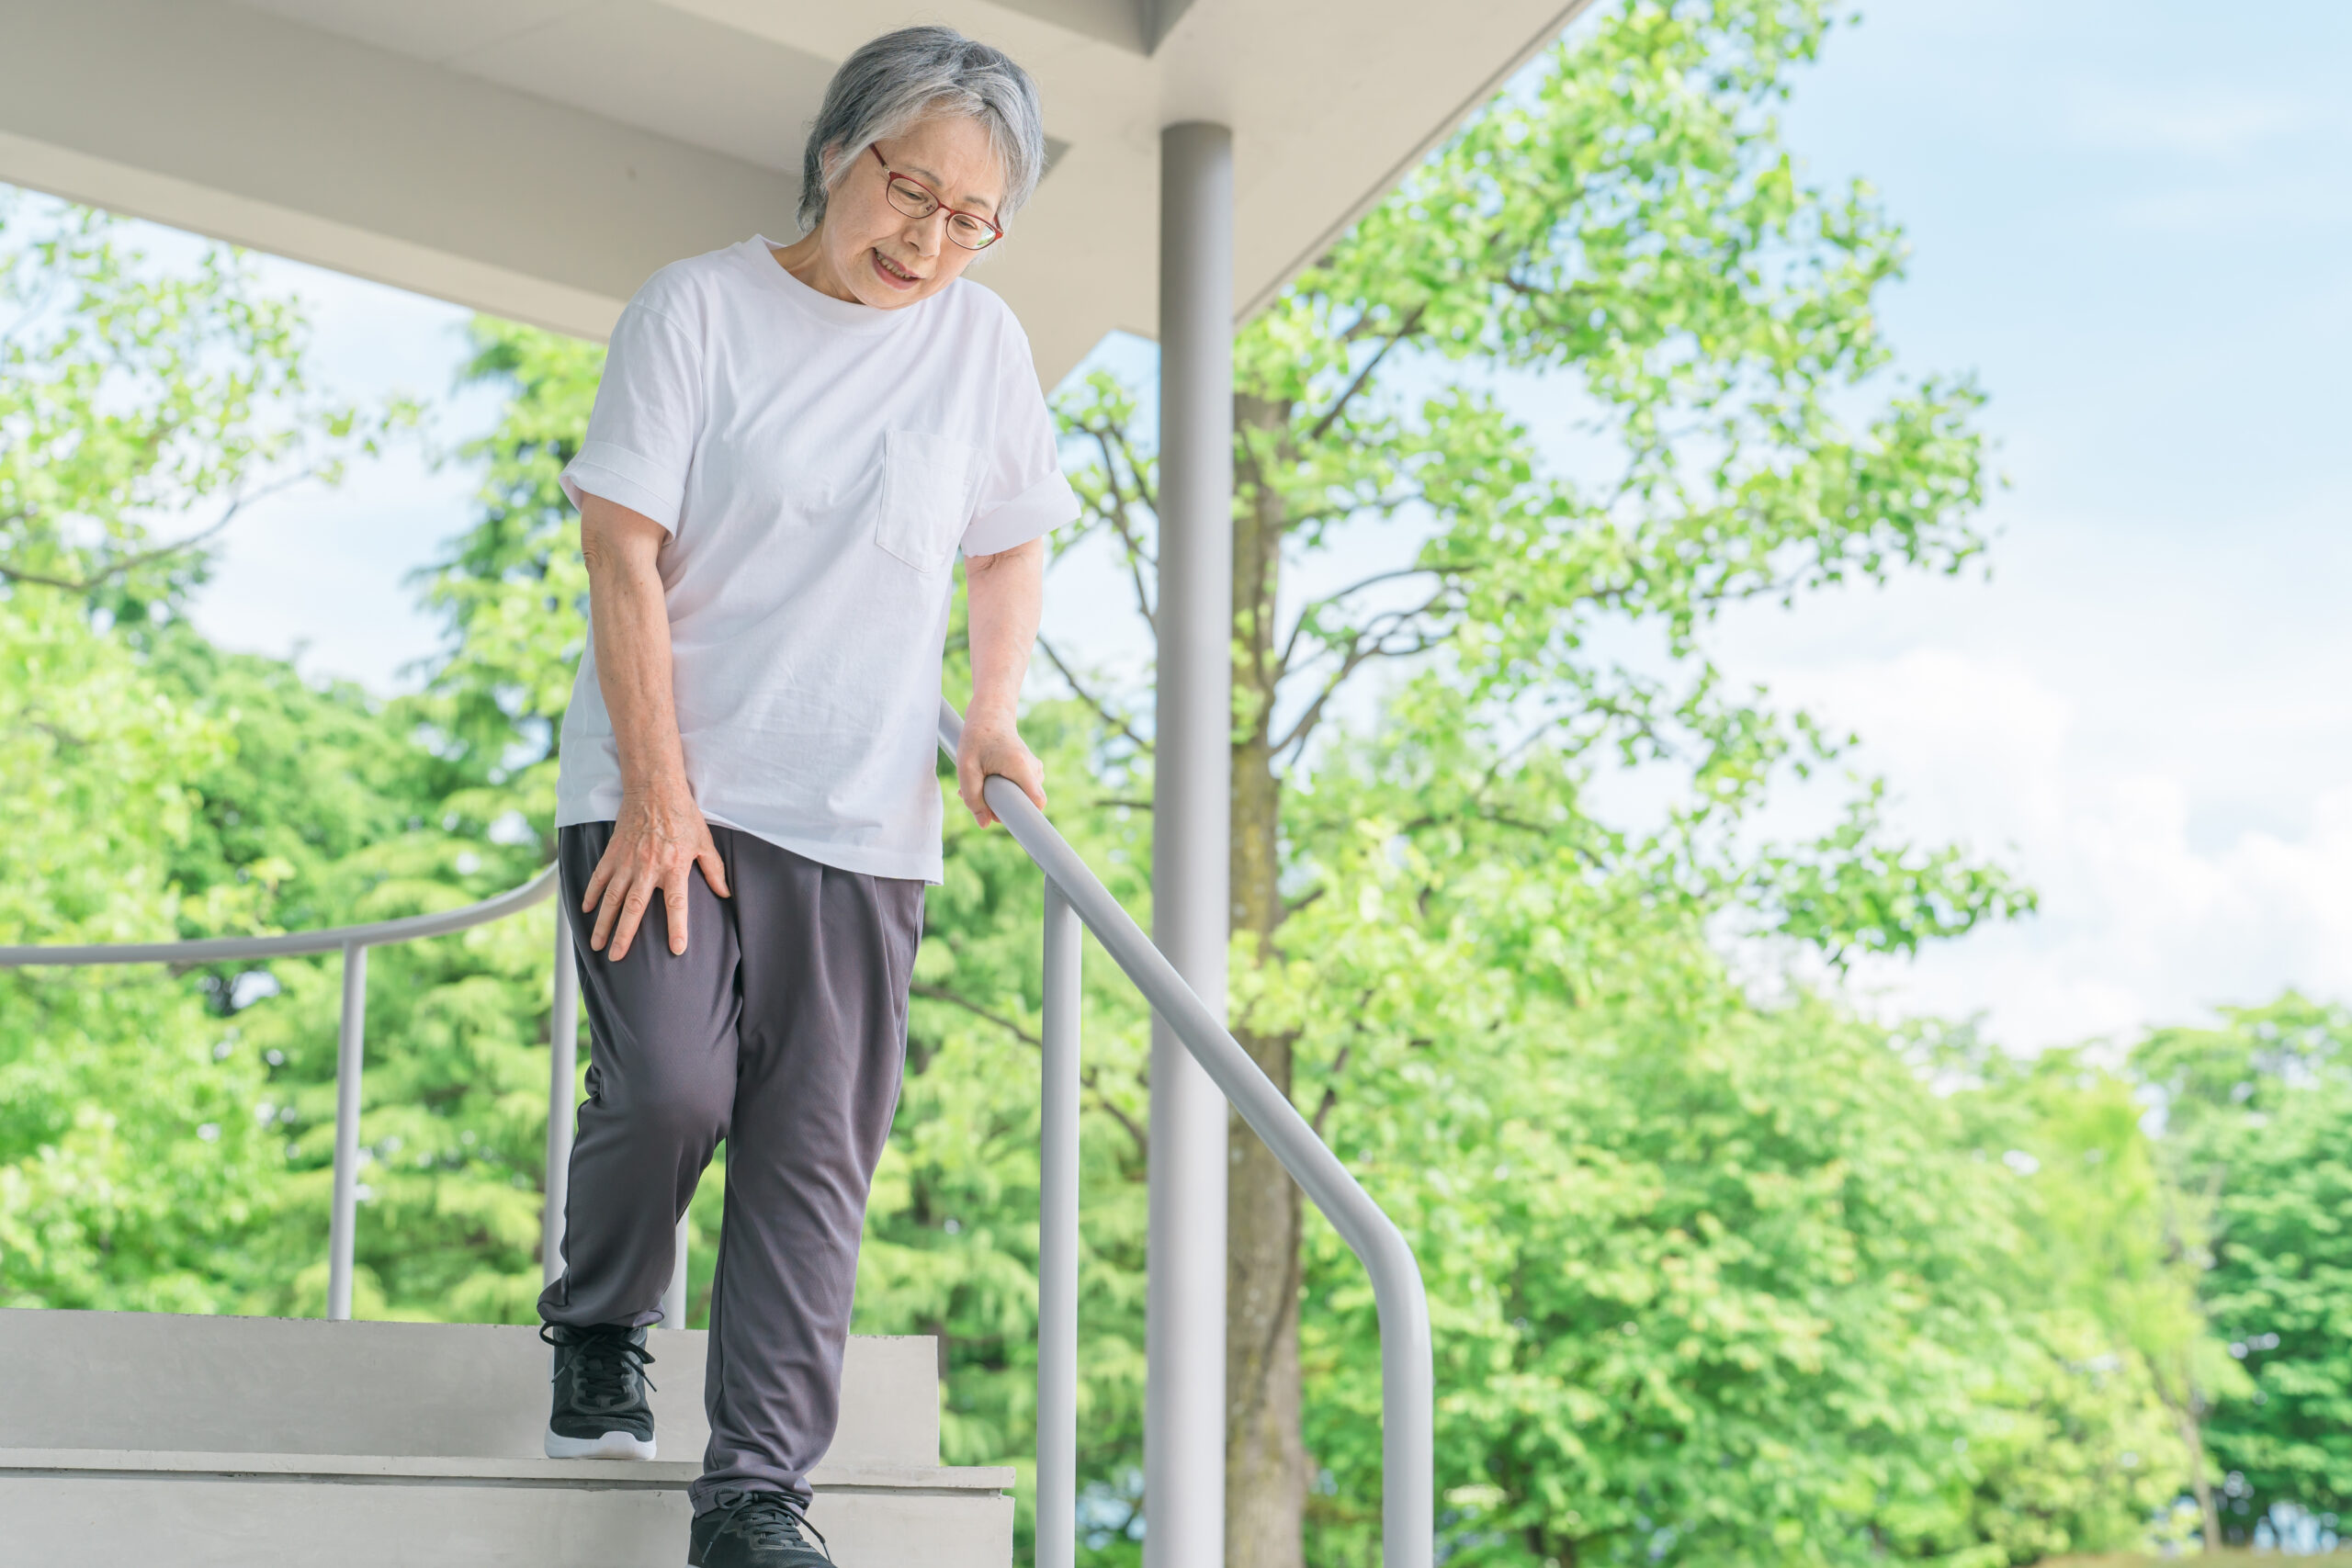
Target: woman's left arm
x=1005 y=592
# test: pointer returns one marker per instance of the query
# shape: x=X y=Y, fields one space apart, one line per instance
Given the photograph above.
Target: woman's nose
x=929 y=233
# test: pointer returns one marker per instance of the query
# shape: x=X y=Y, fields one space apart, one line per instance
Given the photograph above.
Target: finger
x=608 y=911
x=632 y=915
x=714 y=870
x=673 y=900
x=969 y=787
x=597 y=880
x=1032 y=783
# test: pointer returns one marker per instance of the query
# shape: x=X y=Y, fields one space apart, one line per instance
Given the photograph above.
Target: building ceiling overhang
x=540 y=158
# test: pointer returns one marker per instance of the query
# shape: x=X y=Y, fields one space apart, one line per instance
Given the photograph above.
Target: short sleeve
x=1022 y=494
x=641 y=433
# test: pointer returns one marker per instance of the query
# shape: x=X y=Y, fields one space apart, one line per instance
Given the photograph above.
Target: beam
x=232 y=122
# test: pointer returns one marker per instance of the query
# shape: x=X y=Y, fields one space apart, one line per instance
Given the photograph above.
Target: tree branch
x=1088 y=698
x=1089 y=1079
x=134 y=561
x=1144 y=492
x=1306 y=612
x=1362 y=648
x=1331 y=1086
x=1117 y=517
x=1331 y=415
x=941 y=994
x=1141 y=1135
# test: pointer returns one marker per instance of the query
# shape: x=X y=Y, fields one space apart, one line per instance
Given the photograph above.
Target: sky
x=2129 y=223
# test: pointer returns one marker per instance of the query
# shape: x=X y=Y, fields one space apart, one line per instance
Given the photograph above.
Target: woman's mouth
x=891 y=272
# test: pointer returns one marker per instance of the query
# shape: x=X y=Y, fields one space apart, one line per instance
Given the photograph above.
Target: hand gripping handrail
x=1407 y=1371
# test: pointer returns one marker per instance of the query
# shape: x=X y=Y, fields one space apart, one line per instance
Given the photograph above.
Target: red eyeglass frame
x=996 y=230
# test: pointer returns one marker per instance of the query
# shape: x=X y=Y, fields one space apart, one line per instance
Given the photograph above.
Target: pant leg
x=828 y=955
x=661 y=1087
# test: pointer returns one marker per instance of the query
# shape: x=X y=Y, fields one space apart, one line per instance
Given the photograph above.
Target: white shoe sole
x=612 y=1445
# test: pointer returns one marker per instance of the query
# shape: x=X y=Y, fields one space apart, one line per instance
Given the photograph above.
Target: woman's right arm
x=660 y=836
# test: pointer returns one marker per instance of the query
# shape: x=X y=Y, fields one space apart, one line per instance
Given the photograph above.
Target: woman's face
x=869 y=251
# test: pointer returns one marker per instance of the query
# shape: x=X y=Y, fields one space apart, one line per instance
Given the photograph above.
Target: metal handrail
x=290 y=944
x=351 y=1035
x=1408 y=1379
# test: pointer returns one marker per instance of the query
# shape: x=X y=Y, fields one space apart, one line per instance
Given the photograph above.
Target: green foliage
x=2106 y=1268
x=165 y=1140
x=1716 y=1280
x=128 y=394
x=2259 y=1119
x=512 y=588
x=1501 y=1001
x=128 y=1161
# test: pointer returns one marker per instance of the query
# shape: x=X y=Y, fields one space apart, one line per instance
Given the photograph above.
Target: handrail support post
x=350 y=1053
x=1057 y=1181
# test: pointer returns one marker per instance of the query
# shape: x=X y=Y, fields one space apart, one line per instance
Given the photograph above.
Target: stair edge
x=636 y=1475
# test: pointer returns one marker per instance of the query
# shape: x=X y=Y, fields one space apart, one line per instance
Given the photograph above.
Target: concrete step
x=249 y=1510
x=259 y=1442
x=121 y=1379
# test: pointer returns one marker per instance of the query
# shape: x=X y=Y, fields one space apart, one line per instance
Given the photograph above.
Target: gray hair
x=905 y=77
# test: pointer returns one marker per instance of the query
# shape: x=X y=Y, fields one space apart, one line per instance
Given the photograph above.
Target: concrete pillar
x=1183 y=1452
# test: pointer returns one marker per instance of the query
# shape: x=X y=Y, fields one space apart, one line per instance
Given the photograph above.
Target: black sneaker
x=600 y=1410
x=755 y=1529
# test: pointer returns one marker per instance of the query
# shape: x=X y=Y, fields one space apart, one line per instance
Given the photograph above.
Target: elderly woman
x=789 y=447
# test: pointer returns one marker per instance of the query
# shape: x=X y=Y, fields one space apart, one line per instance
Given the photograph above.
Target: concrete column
x=1183 y=1450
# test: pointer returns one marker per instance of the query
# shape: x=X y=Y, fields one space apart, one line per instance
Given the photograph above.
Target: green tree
x=1628 y=224
x=131 y=1172
x=130 y=394
x=167 y=1139
x=1508 y=1010
x=2258 y=1119
x=2115 y=1355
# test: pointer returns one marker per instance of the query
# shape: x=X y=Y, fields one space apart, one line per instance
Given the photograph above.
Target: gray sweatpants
x=781 y=1029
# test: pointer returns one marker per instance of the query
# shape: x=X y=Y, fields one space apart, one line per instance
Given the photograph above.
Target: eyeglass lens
x=916 y=202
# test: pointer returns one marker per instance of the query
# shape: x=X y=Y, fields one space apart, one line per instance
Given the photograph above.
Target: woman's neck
x=805 y=260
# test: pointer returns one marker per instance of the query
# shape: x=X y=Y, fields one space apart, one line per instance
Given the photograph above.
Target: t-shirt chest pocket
x=926 y=497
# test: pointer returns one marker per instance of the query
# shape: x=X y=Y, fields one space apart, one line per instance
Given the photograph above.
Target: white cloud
x=2139 y=924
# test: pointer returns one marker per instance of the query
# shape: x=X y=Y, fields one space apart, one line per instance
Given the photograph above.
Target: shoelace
x=765 y=1519
x=609 y=1364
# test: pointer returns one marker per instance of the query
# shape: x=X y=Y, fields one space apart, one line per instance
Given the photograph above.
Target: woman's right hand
x=658 y=840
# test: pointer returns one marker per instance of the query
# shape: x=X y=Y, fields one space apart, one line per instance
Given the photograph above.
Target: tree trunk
x=2209 y=1512
x=1265 y=1465
x=2187 y=1407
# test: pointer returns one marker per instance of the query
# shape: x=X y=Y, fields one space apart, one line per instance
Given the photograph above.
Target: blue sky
x=2131 y=224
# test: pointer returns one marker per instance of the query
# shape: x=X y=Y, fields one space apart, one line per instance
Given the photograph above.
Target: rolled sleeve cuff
x=622 y=477
x=1040 y=509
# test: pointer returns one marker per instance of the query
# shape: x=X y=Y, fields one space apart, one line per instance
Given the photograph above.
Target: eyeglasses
x=917 y=199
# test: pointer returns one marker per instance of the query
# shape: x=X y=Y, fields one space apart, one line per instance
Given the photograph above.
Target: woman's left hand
x=991 y=745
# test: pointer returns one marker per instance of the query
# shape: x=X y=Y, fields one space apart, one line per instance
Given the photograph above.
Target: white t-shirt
x=816 y=464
